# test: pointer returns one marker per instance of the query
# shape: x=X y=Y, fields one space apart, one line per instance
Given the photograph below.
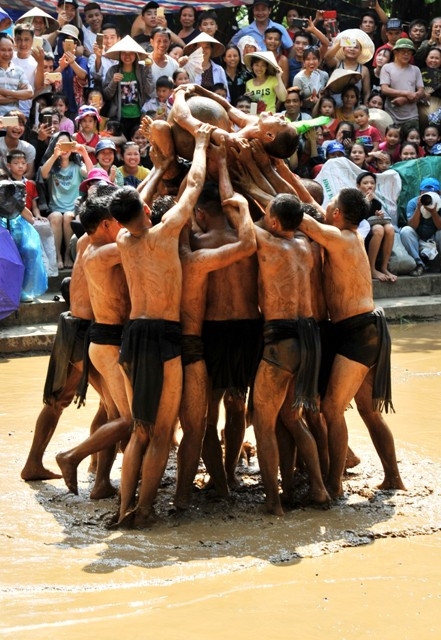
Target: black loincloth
x=146 y=345
x=99 y=333
x=232 y=350
x=67 y=349
x=294 y=345
x=365 y=338
x=192 y=349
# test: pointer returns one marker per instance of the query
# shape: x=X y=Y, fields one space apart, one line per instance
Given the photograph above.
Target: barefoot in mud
x=392 y=484
x=320 y=498
x=32 y=472
x=144 y=518
x=103 y=490
x=69 y=471
x=352 y=460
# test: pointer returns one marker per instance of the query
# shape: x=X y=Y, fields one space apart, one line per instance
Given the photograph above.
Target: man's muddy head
x=287 y=208
x=126 y=205
x=95 y=208
x=352 y=205
x=160 y=206
x=279 y=138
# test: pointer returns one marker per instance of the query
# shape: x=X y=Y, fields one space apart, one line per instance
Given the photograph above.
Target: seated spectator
x=19 y=223
x=87 y=122
x=160 y=106
x=132 y=172
x=424 y=227
x=391 y=143
x=408 y=151
x=293 y=106
x=13 y=140
x=64 y=166
x=430 y=137
x=431 y=74
x=412 y=134
x=371 y=135
x=380 y=240
x=180 y=76
x=17 y=166
x=139 y=138
x=326 y=107
x=59 y=101
x=358 y=155
x=350 y=98
x=378 y=161
x=375 y=100
x=105 y=153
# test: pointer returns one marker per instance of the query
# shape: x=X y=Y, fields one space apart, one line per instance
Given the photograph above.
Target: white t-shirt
x=168 y=70
x=29 y=66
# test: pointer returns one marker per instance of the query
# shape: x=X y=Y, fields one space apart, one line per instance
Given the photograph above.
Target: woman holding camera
x=65 y=164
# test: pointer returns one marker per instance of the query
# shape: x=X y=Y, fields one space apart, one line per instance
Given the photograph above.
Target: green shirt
x=129 y=96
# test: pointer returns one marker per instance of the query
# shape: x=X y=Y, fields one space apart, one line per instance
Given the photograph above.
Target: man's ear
x=269 y=135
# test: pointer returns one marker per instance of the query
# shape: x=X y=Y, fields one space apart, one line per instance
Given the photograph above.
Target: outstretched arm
x=178 y=215
x=326 y=235
x=149 y=186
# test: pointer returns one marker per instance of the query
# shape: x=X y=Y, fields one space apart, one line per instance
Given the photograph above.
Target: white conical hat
x=127 y=44
x=366 y=44
x=51 y=24
x=217 y=48
x=339 y=78
x=267 y=56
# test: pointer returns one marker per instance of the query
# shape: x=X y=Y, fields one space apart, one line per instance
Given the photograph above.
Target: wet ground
x=369 y=567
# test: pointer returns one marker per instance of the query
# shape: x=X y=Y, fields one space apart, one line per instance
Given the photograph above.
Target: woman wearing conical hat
x=212 y=73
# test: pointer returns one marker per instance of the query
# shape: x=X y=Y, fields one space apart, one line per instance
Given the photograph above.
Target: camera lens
x=426 y=200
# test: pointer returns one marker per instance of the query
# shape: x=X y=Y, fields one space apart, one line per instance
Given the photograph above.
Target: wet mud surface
x=65 y=573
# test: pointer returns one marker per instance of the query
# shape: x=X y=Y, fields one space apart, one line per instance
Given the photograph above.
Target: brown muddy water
x=368 y=567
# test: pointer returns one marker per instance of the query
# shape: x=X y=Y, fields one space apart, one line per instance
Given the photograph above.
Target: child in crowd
x=175 y=51
x=380 y=240
x=326 y=106
x=160 y=106
x=345 y=134
x=366 y=130
x=391 y=142
x=59 y=101
x=18 y=220
x=17 y=165
x=350 y=97
x=412 y=134
x=113 y=130
x=266 y=85
x=430 y=138
x=95 y=99
x=273 y=42
x=87 y=121
x=180 y=76
x=379 y=161
x=132 y=171
x=64 y=167
x=221 y=90
x=139 y=138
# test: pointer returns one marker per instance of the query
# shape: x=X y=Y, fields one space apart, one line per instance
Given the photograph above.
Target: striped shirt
x=12 y=79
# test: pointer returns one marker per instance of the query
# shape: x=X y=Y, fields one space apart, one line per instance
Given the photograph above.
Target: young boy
x=17 y=167
x=372 y=136
x=159 y=107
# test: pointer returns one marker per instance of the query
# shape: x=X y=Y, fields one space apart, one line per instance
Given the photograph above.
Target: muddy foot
x=103 y=490
x=144 y=518
x=352 y=460
x=69 y=471
x=320 y=498
x=393 y=484
x=38 y=472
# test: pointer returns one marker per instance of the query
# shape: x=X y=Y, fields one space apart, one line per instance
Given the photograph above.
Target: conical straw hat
x=51 y=24
x=217 y=48
x=267 y=56
x=366 y=44
x=340 y=78
x=127 y=44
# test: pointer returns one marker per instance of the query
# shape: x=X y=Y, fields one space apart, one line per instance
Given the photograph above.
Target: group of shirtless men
x=206 y=305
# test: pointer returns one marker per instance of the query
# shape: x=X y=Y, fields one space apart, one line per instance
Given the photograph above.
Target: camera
x=429 y=199
x=12 y=198
x=300 y=22
x=99 y=40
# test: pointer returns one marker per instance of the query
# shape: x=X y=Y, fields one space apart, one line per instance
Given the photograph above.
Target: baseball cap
x=265 y=2
x=334 y=147
x=105 y=144
x=393 y=23
x=429 y=184
x=436 y=149
x=149 y=5
x=60 y=3
x=95 y=174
